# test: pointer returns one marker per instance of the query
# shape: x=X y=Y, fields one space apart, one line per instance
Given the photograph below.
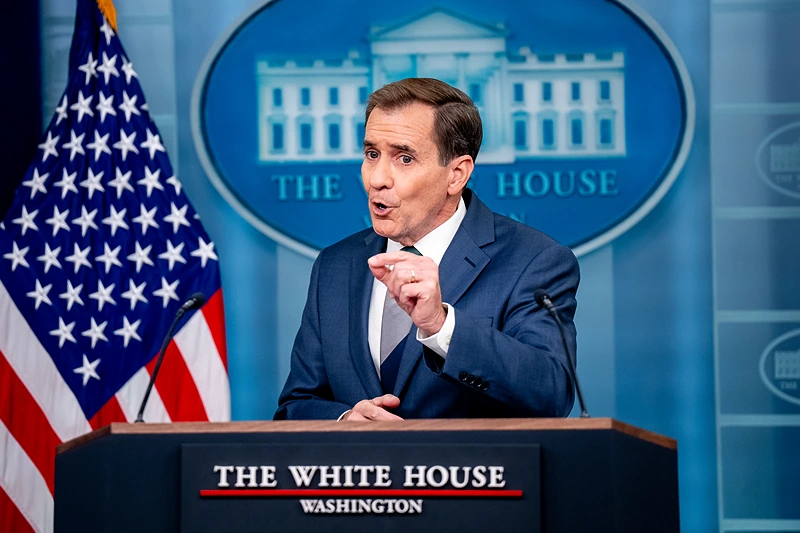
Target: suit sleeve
x=519 y=360
x=307 y=393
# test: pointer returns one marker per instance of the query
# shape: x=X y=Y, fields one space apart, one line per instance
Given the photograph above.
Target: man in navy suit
x=430 y=313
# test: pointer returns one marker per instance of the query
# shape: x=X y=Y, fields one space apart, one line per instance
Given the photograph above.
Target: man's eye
x=406 y=159
x=371 y=154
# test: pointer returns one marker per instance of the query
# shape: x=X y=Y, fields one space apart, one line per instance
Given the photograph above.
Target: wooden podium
x=551 y=475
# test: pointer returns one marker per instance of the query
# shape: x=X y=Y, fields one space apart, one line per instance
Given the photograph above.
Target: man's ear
x=460 y=170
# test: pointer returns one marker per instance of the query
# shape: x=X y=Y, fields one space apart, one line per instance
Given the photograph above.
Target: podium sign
x=510 y=475
x=408 y=486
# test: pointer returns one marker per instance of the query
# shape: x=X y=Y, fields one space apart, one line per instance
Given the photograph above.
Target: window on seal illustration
x=306 y=137
x=520 y=121
x=333 y=96
x=276 y=127
x=606 y=136
x=277 y=137
x=475 y=93
x=305 y=131
x=575 y=128
x=363 y=95
x=333 y=130
x=547 y=91
x=605 y=128
x=305 y=96
x=519 y=93
x=277 y=97
x=604 y=91
x=334 y=142
x=575 y=91
x=547 y=130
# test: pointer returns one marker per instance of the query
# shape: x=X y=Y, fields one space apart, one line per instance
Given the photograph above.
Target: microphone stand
x=167 y=339
x=543 y=299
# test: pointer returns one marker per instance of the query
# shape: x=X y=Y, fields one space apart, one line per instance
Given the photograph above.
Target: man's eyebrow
x=404 y=148
x=398 y=147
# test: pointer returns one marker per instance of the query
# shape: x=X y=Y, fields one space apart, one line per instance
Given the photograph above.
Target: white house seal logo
x=588 y=110
x=778 y=160
x=780 y=366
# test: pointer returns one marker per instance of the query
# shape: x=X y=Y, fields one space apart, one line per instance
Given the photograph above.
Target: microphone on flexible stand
x=195 y=301
x=543 y=300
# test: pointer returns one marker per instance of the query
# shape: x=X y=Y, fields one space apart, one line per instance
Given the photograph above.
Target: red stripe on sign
x=214 y=314
x=402 y=493
x=110 y=412
x=27 y=423
x=10 y=517
x=177 y=389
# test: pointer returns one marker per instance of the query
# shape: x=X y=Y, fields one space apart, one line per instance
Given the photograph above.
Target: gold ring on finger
x=413 y=277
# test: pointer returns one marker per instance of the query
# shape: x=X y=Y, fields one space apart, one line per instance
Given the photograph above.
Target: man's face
x=406 y=185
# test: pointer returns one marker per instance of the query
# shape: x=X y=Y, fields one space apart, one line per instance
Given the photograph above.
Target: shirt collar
x=435 y=243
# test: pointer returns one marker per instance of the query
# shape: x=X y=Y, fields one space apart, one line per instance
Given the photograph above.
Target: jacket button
x=484 y=385
x=462 y=376
x=478 y=382
x=470 y=379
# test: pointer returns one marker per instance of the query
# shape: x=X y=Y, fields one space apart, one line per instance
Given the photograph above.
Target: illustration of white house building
x=784 y=157
x=558 y=105
x=787 y=364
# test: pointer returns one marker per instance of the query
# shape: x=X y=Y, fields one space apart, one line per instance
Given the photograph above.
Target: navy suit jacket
x=505 y=357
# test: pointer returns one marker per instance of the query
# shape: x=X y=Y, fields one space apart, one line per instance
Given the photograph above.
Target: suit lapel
x=462 y=264
x=360 y=293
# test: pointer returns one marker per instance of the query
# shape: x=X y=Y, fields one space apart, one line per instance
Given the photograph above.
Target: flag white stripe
x=38 y=372
x=197 y=346
x=130 y=399
x=24 y=484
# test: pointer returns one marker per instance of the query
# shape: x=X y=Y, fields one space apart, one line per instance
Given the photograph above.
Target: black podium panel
x=126 y=479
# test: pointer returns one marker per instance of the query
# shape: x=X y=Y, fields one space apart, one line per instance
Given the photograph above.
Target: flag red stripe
x=130 y=396
x=27 y=424
x=177 y=389
x=214 y=313
x=196 y=344
x=10 y=517
x=110 y=412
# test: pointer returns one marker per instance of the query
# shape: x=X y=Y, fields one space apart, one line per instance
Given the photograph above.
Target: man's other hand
x=374 y=409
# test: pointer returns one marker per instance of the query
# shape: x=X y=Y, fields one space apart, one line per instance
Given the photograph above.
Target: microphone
x=195 y=301
x=543 y=300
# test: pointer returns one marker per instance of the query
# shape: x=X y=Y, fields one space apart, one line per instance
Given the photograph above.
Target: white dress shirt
x=432 y=245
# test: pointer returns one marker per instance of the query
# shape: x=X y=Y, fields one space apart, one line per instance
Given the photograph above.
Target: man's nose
x=380 y=176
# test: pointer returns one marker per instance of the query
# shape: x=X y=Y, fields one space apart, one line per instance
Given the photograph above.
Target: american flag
x=97 y=253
